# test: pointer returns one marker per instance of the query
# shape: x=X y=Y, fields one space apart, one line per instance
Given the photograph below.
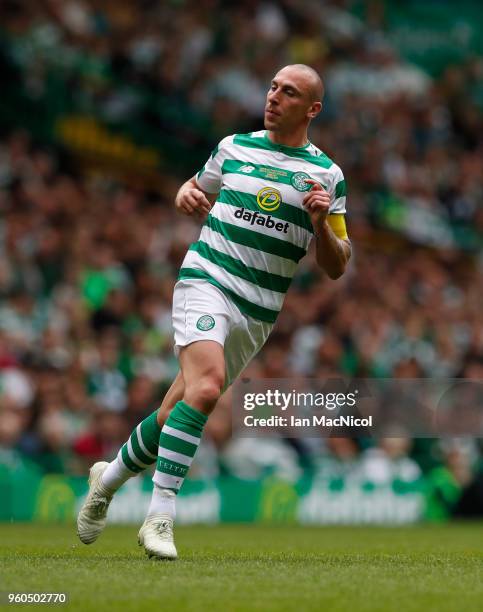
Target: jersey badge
x=298 y=181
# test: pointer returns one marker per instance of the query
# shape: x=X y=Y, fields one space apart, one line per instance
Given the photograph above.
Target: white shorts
x=201 y=311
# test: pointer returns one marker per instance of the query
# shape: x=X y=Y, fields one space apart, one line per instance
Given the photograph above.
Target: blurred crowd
x=88 y=262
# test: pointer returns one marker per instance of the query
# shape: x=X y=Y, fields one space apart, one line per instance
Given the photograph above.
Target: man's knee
x=205 y=391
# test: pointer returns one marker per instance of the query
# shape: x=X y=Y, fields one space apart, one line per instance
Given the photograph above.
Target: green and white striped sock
x=138 y=453
x=179 y=439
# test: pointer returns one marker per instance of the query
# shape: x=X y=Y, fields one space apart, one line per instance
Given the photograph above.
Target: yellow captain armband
x=337 y=225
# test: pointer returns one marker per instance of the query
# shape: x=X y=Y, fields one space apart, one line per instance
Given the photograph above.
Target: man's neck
x=293 y=139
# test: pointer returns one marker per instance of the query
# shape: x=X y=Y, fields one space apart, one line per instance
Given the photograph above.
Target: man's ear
x=314 y=110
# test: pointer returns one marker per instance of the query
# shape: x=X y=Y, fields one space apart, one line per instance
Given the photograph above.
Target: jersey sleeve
x=338 y=193
x=210 y=177
x=336 y=217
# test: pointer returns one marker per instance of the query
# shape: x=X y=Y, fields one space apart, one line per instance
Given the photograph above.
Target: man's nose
x=273 y=96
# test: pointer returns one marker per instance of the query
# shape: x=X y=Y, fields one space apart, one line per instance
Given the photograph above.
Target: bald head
x=308 y=78
x=293 y=101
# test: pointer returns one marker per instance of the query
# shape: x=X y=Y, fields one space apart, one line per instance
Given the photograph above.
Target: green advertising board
x=27 y=495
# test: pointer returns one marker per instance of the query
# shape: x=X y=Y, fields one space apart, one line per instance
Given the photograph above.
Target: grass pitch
x=251 y=568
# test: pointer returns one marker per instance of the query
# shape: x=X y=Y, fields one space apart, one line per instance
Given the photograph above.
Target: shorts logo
x=298 y=181
x=269 y=199
x=205 y=323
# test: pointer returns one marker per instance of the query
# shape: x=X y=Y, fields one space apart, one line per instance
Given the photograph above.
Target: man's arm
x=332 y=253
x=197 y=195
x=191 y=200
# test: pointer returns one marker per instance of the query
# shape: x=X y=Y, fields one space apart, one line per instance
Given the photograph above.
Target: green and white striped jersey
x=257 y=230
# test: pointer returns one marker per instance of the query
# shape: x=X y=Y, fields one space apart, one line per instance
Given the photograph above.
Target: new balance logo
x=261 y=219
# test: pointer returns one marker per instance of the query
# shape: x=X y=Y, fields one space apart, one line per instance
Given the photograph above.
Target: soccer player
x=263 y=196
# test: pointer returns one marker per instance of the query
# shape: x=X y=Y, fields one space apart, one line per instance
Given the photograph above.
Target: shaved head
x=293 y=100
x=312 y=81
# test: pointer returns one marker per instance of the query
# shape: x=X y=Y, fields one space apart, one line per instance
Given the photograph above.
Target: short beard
x=275 y=128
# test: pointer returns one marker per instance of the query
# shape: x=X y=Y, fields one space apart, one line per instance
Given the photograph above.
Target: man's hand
x=316 y=203
x=192 y=201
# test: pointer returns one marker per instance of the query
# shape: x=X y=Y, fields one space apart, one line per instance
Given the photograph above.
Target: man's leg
x=139 y=452
x=141 y=449
x=203 y=370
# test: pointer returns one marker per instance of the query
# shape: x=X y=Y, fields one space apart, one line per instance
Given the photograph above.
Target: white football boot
x=93 y=514
x=156 y=535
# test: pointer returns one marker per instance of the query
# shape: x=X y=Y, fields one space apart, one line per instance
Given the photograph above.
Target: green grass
x=235 y=568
